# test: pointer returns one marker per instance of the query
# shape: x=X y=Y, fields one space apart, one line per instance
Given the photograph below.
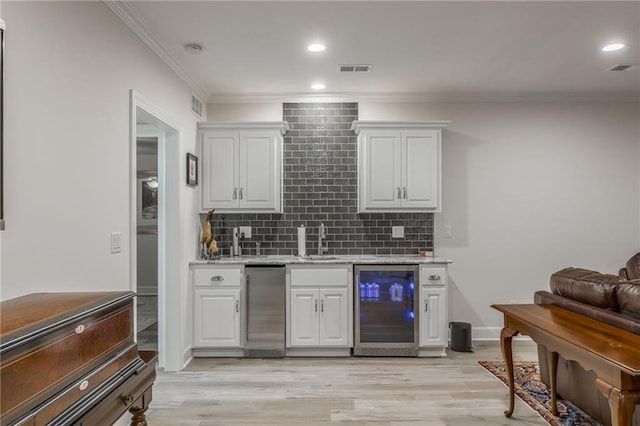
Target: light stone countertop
x=324 y=259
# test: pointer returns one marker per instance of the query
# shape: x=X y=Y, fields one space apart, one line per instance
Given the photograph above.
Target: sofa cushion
x=628 y=295
x=585 y=286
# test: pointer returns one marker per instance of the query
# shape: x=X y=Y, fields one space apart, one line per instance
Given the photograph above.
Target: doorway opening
x=147 y=190
x=156 y=127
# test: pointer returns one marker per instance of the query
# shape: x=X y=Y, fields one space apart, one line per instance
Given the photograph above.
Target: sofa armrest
x=543 y=297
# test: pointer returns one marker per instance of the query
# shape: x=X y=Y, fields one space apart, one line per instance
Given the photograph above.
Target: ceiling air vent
x=621 y=67
x=355 y=68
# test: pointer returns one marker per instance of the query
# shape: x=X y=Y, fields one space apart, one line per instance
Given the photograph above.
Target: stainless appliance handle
x=217 y=278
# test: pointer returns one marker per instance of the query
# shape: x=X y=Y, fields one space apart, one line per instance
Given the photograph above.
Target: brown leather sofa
x=608 y=298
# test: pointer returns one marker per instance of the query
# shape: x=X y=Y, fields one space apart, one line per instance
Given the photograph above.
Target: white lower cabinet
x=217 y=310
x=319 y=307
x=217 y=318
x=433 y=311
x=319 y=317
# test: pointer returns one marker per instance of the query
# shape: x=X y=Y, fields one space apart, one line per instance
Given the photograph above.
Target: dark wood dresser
x=71 y=359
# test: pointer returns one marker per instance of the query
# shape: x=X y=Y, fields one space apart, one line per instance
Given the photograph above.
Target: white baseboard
x=147 y=290
x=488 y=334
x=186 y=357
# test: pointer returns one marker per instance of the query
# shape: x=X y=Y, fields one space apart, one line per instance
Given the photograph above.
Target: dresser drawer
x=55 y=360
x=217 y=277
x=133 y=394
x=82 y=389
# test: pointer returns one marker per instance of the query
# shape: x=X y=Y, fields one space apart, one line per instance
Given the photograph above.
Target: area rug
x=536 y=394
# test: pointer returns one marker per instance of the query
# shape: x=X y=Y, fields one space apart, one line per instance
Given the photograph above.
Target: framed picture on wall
x=192 y=170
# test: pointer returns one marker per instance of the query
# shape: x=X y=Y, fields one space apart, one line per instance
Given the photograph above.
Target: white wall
x=529 y=188
x=70 y=67
x=263 y=111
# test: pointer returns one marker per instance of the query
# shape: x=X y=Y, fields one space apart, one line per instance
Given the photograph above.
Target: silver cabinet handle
x=434 y=277
x=217 y=278
x=237 y=306
x=426 y=305
x=79 y=329
x=241 y=191
x=399 y=193
x=235 y=193
x=404 y=192
x=316 y=301
x=322 y=305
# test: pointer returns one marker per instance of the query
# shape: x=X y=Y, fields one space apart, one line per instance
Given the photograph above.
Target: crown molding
x=428 y=97
x=135 y=23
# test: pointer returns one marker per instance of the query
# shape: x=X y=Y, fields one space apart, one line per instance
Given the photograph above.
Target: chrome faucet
x=322 y=234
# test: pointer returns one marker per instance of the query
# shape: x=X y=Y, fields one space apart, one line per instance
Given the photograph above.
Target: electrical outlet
x=116 y=242
x=448 y=231
x=246 y=230
x=397 y=232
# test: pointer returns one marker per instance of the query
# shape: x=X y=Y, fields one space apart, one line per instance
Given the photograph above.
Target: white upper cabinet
x=242 y=166
x=399 y=166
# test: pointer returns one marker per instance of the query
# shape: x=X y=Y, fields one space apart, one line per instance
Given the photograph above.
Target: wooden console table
x=611 y=352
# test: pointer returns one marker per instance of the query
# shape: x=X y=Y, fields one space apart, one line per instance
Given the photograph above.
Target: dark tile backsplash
x=320 y=185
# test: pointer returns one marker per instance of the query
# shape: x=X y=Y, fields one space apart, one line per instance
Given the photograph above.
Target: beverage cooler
x=386 y=321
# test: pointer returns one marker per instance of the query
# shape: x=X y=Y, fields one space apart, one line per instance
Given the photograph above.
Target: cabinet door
x=421 y=177
x=433 y=320
x=334 y=322
x=259 y=186
x=220 y=187
x=382 y=170
x=304 y=317
x=217 y=318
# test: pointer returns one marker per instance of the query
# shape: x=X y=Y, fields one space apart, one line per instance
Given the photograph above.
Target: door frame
x=169 y=134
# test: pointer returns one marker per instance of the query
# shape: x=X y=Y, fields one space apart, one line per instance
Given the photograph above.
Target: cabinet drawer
x=433 y=276
x=319 y=277
x=217 y=277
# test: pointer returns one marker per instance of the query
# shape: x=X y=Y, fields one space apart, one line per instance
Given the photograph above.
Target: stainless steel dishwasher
x=265 y=322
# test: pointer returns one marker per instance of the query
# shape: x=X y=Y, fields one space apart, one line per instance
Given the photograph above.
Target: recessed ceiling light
x=318 y=86
x=193 y=48
x=613 y=47
x=316 y=47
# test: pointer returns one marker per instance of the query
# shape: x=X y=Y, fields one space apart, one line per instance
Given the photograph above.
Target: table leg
x=506 y=335
x=138 y=417
x=622 y=403
x=553 y=370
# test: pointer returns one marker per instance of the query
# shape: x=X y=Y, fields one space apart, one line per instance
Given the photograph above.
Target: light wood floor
x=354 y=391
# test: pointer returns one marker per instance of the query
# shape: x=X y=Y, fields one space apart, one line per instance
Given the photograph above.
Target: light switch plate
x=448 y=231
x=116 y=242
x=397 y=232
x=246 y=230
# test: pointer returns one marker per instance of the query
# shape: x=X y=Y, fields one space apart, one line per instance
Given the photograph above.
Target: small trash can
x=460 y=336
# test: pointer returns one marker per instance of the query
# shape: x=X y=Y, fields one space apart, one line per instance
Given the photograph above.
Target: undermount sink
x=319 y=257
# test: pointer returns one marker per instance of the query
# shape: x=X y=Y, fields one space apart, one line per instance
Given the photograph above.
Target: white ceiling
x=418 y=49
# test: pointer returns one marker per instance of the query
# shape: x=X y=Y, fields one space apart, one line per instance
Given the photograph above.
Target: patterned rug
x=536 y=395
